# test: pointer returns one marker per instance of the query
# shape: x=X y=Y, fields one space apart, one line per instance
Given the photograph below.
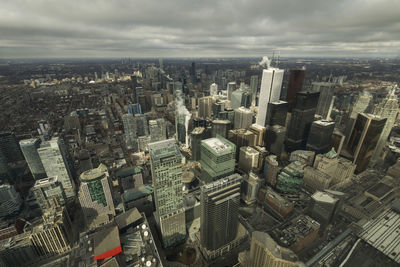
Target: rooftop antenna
x=279 y=54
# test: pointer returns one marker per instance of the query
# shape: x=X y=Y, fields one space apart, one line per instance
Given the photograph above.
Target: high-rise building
x=205 y=107
x=296 y=80
x=320 y=137
x=242 y=137
x=49 y=193
x=326 y=90
x=158 y=130
x=275 y=138
x=217 y=158
x=166 y=169
x=134 y=108
x=10 y=200
x=10 y=148
x=271 y=170
x=220 y=127
x=253 y=88
x=243 y=118
x=219 y=211
x=337 y=140
x=264 y=251
x=259 y=133
x=248 y=158
x=276 y=114
x=134 y=85
x=141 y=124
x=198 y=134
x=53 y=155
x=230 y=88
x=363 y=139
x=213 y=89
x=290 y=178
x=44 y=130
x=301 y=119
x=95 y=196
x=271 y=84
x=29 y=149
x=360 y=106
x=129 y=123
x=388 y=108
x=181 y=126
x=250 y=186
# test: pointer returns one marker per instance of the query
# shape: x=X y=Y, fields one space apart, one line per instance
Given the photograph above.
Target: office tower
x=217 y=158
x=326 y=90
x=271 y=170
x=242 y=137
x=205 y=107
x=44 y=130
x=296 y=80
x=49 y=193
x=134 y=109
x=181 y=125
x=54 y=236
x=142 y=128
x=220 y=127
x=10 y=147
x=158 y=130
x=29 y=150
x=319 y=139
x=129 y=123
x=243 y=118
x=227 y=114
x=363 y=139
x=10 y=200
x=275 y=138
x=250 y=186
x=264 y=251
x=248 y=158
x=53 y=155
x=230 y=88
x=304 y=156
x=324 y=207
x=134 y=85
x=277 y=112
x=217 y=108
x=359 y=106
x=71 y=122
x=240 y=98
x=166 y=169
x=388 y=108
x=314 y=179
x=198 y=134
x=259 y=133
x=213 y=89
x=301 y=119
x=219 y=211
x=270 y=91
x=95 y=197
x=290 y=178
x=253 y=87
x=337 y=140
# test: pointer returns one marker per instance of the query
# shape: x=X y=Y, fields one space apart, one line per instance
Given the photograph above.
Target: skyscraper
x=49 y=193
x=158 y=130
x=219 y=211
x=134 y=84
x=240 y=98
x=134 y=109
x=243 y=118
x=271 y=170
x=326 y=91
x=388 y=108
x=197 y=135
x=277 y=112
x=205 y=107
x=141 y=124
x=300 y=122
x=217 y=158
x=274 y=139
x=129 y=123
x=29 y=149
x=264 y=251
x=95 y=196
x=220 y=127
x=320 y=137
x=270 y=91
x=230 y=88
x=296 y=80
x=359 y=106
x=363 y=140
x=166 y=169
x=248 y=158
x=254 y=88
x=213 y=89
x=10 y=148
x=53 y=155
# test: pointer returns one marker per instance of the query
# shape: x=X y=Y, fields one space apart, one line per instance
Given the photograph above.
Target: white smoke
x=265 y=62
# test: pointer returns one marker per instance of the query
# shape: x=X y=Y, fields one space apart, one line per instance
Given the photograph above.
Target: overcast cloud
x=169 y=28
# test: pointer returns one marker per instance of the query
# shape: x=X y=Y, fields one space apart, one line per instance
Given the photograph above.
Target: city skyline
x=57 y=29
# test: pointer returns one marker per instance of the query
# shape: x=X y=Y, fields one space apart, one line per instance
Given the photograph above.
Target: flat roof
x=217 y=145
x=127 y=218
x=45 y=181
x=323 y=197
x=106 y=240
x=93 y=173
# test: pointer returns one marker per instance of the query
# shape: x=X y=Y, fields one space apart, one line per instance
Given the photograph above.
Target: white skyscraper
x=271 y=84
x=54 y=159
x=213 y=89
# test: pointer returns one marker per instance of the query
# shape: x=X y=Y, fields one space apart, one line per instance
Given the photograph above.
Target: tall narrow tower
x=166 y=169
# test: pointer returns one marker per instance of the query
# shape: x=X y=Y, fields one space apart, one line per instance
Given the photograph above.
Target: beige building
x=264 y=251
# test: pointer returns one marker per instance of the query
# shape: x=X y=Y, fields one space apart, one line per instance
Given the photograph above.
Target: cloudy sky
x=197 y=28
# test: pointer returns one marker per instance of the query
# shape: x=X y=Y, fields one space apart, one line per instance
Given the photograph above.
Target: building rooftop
x=94 y=173
x=324 y=122
x=127 y=218
x=217 y=145
x=45 y=181
x=106 y=240
x=323 y=197
x=276 y=250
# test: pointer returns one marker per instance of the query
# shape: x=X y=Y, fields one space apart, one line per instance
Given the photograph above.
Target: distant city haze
x=182 y=28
